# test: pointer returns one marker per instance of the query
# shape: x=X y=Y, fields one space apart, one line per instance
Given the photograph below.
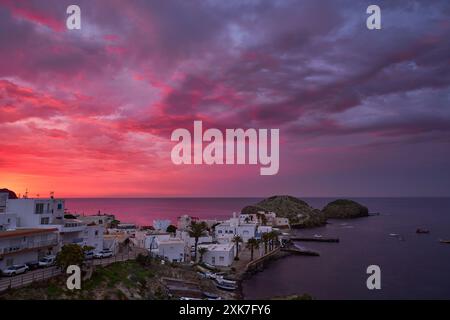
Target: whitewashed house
x=93 y=236
x=147 y=239
x=190 y=241
x=221 y=255
x=174 y=250
x=227 y=230
x=26 y=245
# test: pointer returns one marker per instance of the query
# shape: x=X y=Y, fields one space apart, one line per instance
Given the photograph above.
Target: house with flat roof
x=220 y=255
x=173 y=249
x=26 y=245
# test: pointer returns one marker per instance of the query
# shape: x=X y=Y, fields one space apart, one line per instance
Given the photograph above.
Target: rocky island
x=345 y=209
x=302 y=215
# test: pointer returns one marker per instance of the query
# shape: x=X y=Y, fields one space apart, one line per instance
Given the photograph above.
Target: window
x=221 y=259
x=96 y=232
x=45 y=220
x=39 y=208
x=59 y=206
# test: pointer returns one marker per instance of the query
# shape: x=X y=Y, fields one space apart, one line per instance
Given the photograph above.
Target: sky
x=90 y=112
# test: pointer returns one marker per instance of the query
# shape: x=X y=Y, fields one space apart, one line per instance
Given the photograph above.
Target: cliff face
x=299 y=213
x=344 y=209
x=11 y=194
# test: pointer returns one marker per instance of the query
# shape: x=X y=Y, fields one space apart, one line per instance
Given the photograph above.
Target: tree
x=202 y=252
x=237 y=240
x=252 y=244
x=262 y=217
x=171 y=229
x=70 y=254
x=273 y=236
x=197 y=230
x=265 y=238
x=114 y=223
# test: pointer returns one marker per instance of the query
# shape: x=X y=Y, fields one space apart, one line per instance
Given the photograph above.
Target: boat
x=420 y=230
x=318 y=236
x=211 y=296
x=226 y=286
x=394 y=234
x=444 y=241
x=221 y=279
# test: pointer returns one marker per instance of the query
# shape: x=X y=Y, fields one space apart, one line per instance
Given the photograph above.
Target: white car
x=15 y=269
x=47 y=261
x=105 y=253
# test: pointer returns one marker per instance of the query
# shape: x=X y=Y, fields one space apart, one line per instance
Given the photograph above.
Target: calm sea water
x=416 y=268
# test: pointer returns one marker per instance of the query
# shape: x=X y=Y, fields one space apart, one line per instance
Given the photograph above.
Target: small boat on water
x=318 y=236
x=444 y=241
x=420 y=230
x=394 y=234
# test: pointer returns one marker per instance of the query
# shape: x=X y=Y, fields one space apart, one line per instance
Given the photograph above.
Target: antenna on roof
x=25 y=196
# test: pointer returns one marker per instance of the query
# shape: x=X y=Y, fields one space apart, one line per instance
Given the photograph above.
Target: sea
x=412 y=266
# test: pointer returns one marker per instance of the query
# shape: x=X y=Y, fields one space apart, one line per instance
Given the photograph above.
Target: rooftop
x=218 y=247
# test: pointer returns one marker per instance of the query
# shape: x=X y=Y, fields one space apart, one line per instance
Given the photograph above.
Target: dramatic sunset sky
x=89 y=112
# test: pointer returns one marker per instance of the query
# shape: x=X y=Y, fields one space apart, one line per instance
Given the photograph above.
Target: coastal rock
x=345 y=209
x=11 y=194
x=299 y=213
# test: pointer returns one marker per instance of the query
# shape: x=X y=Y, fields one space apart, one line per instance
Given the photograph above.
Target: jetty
x=301 y=252
x=314 y=239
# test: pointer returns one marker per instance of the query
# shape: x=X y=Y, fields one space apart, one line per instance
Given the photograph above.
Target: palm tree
x=265 y=238
x=237 y=240
x=262 y=217
x=197 y=230
x=252 y=244
x=202 y=252
x=273 y=235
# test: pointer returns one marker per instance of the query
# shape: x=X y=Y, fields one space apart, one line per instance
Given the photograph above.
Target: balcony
x=28 y=246
x=72 y=227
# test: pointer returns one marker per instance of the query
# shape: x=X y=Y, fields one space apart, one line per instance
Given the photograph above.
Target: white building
x=99 y=219
x=7 y=221
x=221 y=255
x=34 y=213
x=174 y=250
x=49 y=213
x=227 y=230
x=161 y=225
x=147 y=239
x=93 y=236
x=190 y=241
x=26 y=245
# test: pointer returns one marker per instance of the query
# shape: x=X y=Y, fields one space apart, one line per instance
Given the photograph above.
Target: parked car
x=47 y=261
x=15 y=270
x=105 y=253
x=32 y=265
x=88 y=255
